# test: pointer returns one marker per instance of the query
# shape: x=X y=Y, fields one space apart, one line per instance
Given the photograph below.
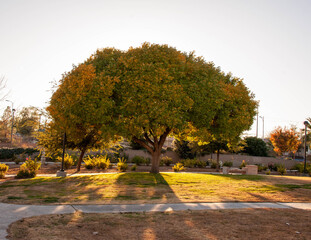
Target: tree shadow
x=144 y=188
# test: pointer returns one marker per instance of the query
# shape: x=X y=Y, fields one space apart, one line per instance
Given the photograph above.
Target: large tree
x=156 y=91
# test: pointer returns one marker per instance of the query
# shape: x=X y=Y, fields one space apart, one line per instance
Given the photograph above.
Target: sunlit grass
x=155 y=188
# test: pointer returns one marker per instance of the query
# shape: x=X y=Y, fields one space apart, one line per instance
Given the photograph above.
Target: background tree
x=6 y=124
x=255 y=147
x=285 y=140
x=27 y=121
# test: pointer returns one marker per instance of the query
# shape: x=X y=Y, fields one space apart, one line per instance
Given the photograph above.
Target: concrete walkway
x=11 y=213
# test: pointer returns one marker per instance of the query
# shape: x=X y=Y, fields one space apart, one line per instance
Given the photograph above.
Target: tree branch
x=142 y=143
x=163 y=137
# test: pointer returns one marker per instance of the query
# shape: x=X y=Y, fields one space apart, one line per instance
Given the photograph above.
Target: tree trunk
x=80 y=159
x=155 y=161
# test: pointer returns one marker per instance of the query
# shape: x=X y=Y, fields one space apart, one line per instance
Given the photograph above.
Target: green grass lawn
x=155 y=188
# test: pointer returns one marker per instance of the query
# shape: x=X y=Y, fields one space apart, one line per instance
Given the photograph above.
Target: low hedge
x=8 y=153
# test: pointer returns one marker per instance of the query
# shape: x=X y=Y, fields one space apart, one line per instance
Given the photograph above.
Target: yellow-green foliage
x=281 y=169
x=28 y=169
x=32 y=165
x=122 y=165
x=3 y=169
x=178 y=167
x=102 y=162
x=68 y=161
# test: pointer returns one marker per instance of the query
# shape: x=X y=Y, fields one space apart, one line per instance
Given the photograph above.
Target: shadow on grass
x=144 y=187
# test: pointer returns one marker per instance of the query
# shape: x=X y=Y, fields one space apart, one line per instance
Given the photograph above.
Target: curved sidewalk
x=11 y=212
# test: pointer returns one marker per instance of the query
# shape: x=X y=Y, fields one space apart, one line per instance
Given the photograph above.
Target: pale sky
x=265 y=42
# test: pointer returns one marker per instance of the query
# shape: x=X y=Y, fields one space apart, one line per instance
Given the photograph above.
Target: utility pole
x=263 y=127
x=13 y=110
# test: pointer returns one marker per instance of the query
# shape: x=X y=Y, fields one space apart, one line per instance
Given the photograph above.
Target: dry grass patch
x=155 y=188
x=209 y=224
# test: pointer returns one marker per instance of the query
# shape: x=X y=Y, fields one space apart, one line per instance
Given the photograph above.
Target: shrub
x=299 y=167
x=200 y=164
x=102 y=162
x=189 y=163
x=122 y=165
x=133 y=168
x=28 y=169
x=68 y=161
x=178 y=167
x=138 y=160
x=8 y=153
x=147 y=161
x=268 y=172
x=214 y=164
x=243 y=164
x=3 y=169
x=255 y=147
x=167 y=160
x=228 y=164
x=281 y=169
x=90 y=163
x=32 y=165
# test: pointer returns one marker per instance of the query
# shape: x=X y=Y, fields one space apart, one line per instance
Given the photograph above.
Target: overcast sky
x=265 y=42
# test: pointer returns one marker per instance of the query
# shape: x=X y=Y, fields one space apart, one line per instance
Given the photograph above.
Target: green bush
x=268 y=172
x=200 y=164
x=228 y=164
x=189 y=163
x=122 y=165
x=166 y=160
x=178 y=167
x=255 y=147
x=138 y=160
x=133 y=168
x=3 y=169
x=214 y=165
x=281 y=169
x=8 y=153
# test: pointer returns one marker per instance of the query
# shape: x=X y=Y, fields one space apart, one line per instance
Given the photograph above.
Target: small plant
x=178 y=167
x=90 y=163
x=281 y=169
x=138 y=160
x=268 y=172
x=28 y=169
x=68 y=161
x=3 y=169
x=147 y=161
x=200 y=164
x=214 y=165
x=228 y=164
x=133 y=168
x=189 y=163
x=102 y=162
x=167 y=161
x=243 y=164
x=122 y=165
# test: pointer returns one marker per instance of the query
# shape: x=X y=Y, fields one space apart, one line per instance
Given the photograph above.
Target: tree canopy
x=149 y=92
x=285 y=140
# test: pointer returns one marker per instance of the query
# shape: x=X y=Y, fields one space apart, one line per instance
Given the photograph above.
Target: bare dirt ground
x=210 y=224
